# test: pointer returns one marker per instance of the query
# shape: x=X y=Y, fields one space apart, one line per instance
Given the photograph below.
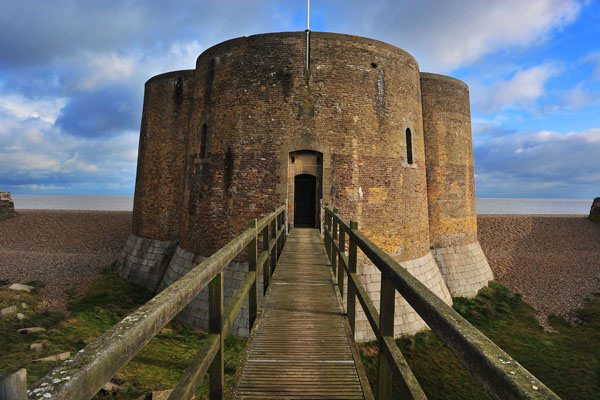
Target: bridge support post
x=252 y=267
x=215 y=325
x=386 y=329
x=351 y=297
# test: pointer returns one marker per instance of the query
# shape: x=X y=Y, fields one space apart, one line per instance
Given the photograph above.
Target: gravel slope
x=553 y=260
x=64 y=249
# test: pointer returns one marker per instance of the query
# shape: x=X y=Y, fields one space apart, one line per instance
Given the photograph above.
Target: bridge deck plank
x=301 y=348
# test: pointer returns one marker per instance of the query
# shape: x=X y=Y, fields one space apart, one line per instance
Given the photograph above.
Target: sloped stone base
x=196 y=313
x=407 y=321
x=144 y=261
x=465 y=268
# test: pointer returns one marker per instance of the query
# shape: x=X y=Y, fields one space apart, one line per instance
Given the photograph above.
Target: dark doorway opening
x=305 y=201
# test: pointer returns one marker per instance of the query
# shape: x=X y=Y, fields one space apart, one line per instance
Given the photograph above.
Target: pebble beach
x=552 y=260
x=66 y=250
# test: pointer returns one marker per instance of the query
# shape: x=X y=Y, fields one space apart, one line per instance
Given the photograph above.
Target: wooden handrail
x=81 y=376
x=501 y=375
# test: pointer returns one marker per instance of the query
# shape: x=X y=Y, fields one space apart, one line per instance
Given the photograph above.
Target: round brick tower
x=250 y=128
x=159 y=183
x=451 y=186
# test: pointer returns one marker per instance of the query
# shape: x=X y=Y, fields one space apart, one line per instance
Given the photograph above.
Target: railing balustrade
x=501 y=376
x=81 y=376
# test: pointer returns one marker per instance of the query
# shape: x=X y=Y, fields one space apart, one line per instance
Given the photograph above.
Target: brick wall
x=161 y=157
x=259 y=105
x=449 y=153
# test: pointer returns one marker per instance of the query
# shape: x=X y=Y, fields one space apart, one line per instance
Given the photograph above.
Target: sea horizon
x=111 y=202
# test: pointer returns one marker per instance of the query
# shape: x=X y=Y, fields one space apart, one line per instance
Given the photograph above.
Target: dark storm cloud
x=103 y=112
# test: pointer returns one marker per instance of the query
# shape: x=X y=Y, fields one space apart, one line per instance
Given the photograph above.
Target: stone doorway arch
x=305 y=187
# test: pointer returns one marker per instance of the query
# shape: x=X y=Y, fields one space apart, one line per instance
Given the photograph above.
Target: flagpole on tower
x=307 y=66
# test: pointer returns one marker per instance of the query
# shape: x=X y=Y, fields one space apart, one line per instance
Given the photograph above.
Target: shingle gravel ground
x=554 y=261
x=63 y=249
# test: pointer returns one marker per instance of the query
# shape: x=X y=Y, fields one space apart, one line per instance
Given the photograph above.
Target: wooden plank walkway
x=300 y=347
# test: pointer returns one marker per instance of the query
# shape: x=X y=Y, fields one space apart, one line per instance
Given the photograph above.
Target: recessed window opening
x=318 y=160
x=203 y=138
x=409 y=151
x=373 y=65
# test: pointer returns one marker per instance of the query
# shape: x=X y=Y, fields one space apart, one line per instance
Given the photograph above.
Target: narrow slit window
x=409 y=151
x=203 y=137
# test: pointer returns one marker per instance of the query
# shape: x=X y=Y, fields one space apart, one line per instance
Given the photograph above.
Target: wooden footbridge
x=301 y=344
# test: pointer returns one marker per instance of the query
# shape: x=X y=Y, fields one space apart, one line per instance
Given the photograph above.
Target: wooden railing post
x=386 y=328
x=252 y=261
x=215 y=325
x=285 y=230
x=267 y=265
x=351 y=298
x=281 y=239
x=334 y=255
x=275 y=251
x=342 y=250
x=327 y=233
x=14 y=386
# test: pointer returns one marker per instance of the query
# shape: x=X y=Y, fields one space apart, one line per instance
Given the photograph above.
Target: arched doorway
x=305 y=201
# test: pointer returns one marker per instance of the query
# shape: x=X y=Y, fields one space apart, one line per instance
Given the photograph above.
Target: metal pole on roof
x=307 y=66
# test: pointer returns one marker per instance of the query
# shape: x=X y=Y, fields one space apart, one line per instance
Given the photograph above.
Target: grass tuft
x=159 y=366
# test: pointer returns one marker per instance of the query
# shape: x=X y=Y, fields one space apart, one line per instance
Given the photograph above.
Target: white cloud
x=101 y=69
x=22 y=108
x=539 y=164
x=35 y=155
x=447 y=34
x=522 y=89
x=578 y=97
x=594 y=58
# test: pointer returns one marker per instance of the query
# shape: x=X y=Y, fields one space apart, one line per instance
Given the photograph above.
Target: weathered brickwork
x=390 y=148
x=451 y=186
x=7 y=207
x=449 y=153
x=160 y=170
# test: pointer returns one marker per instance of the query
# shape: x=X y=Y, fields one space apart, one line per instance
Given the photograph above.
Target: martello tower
x=363 y=129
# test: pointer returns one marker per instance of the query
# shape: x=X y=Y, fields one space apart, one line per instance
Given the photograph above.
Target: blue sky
x=72 y=76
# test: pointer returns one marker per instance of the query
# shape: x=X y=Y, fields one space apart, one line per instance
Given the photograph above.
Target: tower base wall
x=447 y=272
x=406 y=320
x=195 y=314
x=144 y=261
x=465 y=268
